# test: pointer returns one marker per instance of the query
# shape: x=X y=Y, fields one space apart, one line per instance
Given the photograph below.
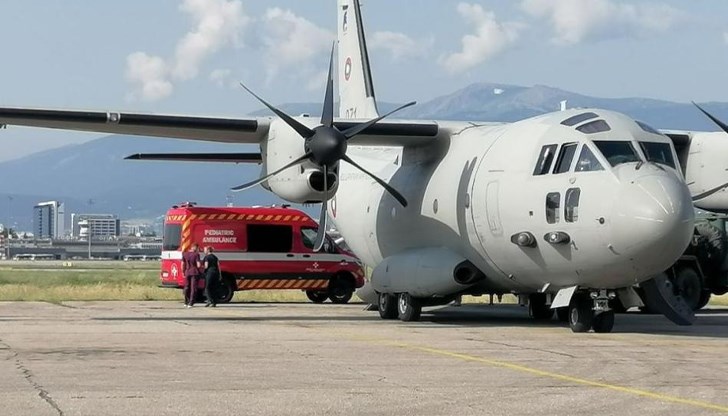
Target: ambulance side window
x=172 y=238
x=263 y=238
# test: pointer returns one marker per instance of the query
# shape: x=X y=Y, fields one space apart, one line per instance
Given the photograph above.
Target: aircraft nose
x=653 y=219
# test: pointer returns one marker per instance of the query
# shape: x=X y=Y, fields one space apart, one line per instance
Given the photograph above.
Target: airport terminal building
x=99 y=226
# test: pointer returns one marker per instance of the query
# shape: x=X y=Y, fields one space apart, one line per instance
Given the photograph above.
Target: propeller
x=723 y=127
x=325 y=146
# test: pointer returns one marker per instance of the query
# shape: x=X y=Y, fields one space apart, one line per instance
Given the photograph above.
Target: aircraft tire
x=387 y=306
x=316 y=296
x=603 y=322
x=562 y=314
x=704 y=299
x=408 y=308
x=537 y=307
x=689 y=286
x=581 y=314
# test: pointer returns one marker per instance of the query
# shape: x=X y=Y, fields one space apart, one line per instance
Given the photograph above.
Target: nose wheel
x=587 y=312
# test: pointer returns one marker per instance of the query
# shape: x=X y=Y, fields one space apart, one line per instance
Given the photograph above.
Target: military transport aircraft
x=568 y=210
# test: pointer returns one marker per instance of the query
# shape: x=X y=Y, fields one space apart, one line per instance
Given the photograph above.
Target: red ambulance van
x=260 y=248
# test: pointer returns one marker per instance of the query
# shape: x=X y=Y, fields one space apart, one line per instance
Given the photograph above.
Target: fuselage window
x=617 y=152
x=658 y=153
x=579 y=118
x=587 y=161
x=571 y=205
x=545 y=159
x=553 y=202
x=566 y=155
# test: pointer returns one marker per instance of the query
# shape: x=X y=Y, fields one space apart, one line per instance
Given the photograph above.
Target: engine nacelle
x=302 y=183
x=706 y=167
x=425 y=272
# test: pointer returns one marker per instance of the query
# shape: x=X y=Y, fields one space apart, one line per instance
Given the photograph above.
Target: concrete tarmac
x=158 y=358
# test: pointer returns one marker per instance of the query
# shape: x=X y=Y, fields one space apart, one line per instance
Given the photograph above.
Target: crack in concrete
x=520 y=347
x=30 y=378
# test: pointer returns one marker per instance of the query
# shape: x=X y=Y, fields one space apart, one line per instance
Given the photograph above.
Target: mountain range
x=93 y=177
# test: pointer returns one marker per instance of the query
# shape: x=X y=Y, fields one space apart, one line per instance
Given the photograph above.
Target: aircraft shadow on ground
x=709 y=323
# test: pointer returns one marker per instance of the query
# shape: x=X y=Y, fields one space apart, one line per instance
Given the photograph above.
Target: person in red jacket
x=191 y=268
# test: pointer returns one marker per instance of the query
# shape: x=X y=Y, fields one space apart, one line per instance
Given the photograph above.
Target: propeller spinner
x=325 y=146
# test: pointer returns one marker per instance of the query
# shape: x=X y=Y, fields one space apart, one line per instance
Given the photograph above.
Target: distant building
x=49 y=219
x=101 y=226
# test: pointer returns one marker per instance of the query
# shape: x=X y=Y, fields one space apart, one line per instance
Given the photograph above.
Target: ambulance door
x=271 y=251
x=318 y=263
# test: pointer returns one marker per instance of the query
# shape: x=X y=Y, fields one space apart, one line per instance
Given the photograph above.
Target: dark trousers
x=211 y=278
x=190 y=289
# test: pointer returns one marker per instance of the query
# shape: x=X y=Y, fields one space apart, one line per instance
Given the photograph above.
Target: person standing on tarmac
x=212 y=275
x=191 y=267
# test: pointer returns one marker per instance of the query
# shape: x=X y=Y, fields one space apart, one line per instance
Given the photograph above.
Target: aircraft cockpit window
x=545 y=159
x=658 y=153
x=553 y=202
x=571 y=204
x=573 y=121
x=617 y=152
x=566 y=155
x=596 y=126
x=587 y=161
x=649 y=129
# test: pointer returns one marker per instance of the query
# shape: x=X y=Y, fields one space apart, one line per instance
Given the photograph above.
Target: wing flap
x=215 y=129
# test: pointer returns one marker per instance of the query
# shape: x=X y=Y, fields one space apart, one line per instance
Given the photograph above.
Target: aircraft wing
x=214 y=129
x=200 y=157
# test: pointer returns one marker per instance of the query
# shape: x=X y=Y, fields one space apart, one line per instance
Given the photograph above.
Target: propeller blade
x=321 y=234
x=304 y=131
x=720 y=124
x=401 y=199
x=709 y=192
x=353 y=131
x=327 y=115
x=264 y=178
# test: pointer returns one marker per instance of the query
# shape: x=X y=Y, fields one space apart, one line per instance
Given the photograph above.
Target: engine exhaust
x=466 y=273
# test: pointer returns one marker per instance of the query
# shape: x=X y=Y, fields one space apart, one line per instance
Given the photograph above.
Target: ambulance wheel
x=316 y=296
x=225 y=291
x=581 y=314
x=604 y=322
x=408 y=308
x=340 y=295
x=387 y=306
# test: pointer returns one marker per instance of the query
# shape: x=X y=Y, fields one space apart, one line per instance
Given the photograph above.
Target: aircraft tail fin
x=356 y=90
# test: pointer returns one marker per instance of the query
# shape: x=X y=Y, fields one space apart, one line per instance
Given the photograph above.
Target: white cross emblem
x=315 y=265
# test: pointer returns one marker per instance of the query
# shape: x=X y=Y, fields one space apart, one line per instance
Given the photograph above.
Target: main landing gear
x=591 y=311
x=403 y=306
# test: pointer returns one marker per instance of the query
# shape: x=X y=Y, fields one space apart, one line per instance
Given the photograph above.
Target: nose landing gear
x=591 y=311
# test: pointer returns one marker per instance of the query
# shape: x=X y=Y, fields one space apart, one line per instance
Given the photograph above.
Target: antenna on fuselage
x=562 y=105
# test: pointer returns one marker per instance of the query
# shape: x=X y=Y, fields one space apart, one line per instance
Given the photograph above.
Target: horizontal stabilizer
x=200 y=157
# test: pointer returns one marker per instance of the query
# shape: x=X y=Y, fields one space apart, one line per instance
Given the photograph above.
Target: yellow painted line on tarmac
x=547 y=374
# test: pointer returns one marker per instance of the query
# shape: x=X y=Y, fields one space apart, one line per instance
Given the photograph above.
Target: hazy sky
x=186 y=56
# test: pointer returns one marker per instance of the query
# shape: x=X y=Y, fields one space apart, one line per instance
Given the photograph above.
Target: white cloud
x=148 y=76
x=292 y=41
x=578 y=20
x=490 y=39
x=399 y=45
x=221 y=77
x=217 y=24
